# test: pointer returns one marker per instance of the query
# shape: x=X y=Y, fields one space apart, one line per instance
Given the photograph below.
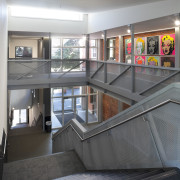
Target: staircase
x=151 y=174
x=44 y=167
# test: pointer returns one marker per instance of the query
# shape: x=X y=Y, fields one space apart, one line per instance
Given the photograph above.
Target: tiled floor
x=28 y=142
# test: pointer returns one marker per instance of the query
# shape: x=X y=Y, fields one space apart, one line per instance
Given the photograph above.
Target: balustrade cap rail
x=98 y=61
x=120 y=123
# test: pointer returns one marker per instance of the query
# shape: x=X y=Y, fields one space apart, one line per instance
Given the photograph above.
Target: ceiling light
x=129 y=31
x=177 y=22
x=29 y=107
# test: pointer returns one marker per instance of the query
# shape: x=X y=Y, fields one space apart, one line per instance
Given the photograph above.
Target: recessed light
x=177 y=22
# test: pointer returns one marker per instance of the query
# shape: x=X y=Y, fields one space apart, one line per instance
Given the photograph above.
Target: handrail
x=135 y=65
x=120 y=123
x=90 y=60
x=41 y=60
x=4 y=139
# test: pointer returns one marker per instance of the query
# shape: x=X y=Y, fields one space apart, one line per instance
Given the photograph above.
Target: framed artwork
x=140 y=60
x=153 y=45
x=128 y=59
x=152 y=60
x=139 y=46
x=168 y=61
x=128 y=46
x=168 y=44
x=21 y=52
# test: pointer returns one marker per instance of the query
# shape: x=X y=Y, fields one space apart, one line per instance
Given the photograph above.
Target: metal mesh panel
x=149 y=76
x=99 y=76
x=127 y=146
x=173 y=79
x=113 y=70
x=23 y=70
x=166 y=129
x=124 y=81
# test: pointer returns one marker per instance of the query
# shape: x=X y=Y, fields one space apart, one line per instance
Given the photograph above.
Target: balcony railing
x=120 y=78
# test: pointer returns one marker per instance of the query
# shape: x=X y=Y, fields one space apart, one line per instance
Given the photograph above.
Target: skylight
x=30 y=12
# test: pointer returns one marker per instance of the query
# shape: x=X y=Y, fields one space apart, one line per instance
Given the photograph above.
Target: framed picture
x=139 y=46
x=168 y=44
x=168 y=61
x=23 y=52
x=128 y=46
x=153 y=45
x=152 y=60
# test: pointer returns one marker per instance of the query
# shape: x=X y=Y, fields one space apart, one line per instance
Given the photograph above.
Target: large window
x=67 y=48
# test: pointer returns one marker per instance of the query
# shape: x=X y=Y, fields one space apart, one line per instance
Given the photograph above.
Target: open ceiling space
x=84 y=6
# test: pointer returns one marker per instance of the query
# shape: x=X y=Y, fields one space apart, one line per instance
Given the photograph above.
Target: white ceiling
x=85 y=6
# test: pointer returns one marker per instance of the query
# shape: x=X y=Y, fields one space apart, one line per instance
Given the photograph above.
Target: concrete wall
x=13 y=42
x=3 y=66
x=124 y=16
x=21 y=99
x=47 y=25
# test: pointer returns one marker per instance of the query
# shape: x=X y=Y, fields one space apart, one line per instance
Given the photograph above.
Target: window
x=66 y=48
x=111 y=48
x=93 y=49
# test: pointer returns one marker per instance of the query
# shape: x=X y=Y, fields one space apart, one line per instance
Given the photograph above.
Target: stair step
x=44 y=167
x=167 y=175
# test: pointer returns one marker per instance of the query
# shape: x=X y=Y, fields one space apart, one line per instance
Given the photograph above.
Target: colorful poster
x=168 y=61
x=168 y=44
x=153 y=45
x=128 y=59
x=140 y=60
x=152 y=60
x=139 y=46
x=128 y=46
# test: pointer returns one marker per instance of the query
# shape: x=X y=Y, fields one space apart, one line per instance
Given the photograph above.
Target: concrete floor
x=28 y=142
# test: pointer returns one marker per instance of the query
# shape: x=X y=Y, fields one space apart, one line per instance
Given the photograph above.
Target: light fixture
x=102 y=36
x=177 y=22
x=13 y=108
x=29 y=107
x=129 y=31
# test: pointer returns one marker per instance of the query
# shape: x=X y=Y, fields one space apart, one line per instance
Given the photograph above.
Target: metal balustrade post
x=105 y=56
x=132 y=61
x=87 y=57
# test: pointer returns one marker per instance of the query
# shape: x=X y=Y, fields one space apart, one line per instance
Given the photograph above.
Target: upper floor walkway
x=129 y=81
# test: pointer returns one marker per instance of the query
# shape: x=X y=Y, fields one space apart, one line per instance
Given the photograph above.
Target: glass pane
x=73 y=42
x=16 y=117
x=56 y=66
x=77 y=90
x=92 y=109
x=93 y=53
x=56 y=53
x=56 y=42
x=111 y=42
x=56 y=92
x=68 y=104
x=81 y=109
x=23 y=116
x=67 y=91
x=92 y=43
x=73 y=66
x=57 y=104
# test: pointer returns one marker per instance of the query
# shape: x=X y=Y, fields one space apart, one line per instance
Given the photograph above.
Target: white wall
x=13 y=42
x=124 y=16
x=3 y=66
x=47 y=25
x=21 y=99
